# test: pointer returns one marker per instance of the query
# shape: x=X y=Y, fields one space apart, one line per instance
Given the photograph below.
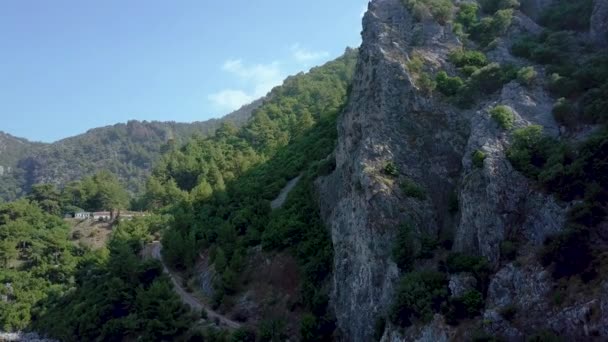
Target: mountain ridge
x=128 y=149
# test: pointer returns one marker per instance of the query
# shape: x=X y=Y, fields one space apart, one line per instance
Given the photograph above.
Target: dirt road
x=188 y=298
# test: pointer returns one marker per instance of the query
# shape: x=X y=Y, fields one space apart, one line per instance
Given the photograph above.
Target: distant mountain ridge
x=127 y=149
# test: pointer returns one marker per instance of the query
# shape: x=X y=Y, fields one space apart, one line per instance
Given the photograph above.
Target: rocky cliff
x=599 y=22
x=391 y=119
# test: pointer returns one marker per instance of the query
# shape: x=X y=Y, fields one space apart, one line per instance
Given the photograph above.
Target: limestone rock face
x=387 y=120
x=599 y=22
x=391 y=119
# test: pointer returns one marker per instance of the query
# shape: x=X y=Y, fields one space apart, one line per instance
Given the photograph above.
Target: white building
x=102 y=216
x=83 y=215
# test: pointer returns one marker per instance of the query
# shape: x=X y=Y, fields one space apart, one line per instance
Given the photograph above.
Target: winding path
x=188 y=298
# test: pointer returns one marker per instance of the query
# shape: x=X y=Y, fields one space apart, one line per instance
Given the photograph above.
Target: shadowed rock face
x=431 y=142
x=599 y=22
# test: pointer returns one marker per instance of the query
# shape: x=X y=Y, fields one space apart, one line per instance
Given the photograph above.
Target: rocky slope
x=390 y=120
x=128 y=150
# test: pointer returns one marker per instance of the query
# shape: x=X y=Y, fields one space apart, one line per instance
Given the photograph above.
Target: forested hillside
x=128 y=150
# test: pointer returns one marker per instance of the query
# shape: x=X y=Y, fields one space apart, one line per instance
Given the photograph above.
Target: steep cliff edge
x=396 y=134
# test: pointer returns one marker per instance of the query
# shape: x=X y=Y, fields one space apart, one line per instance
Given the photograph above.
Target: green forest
x=212 y=194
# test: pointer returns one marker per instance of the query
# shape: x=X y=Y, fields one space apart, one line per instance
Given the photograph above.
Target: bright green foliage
x=219 y=189
x=418 y=296
x=403 y=249
x=568 y=15
x=412 y=189
x=503 y=115
x=478 y=158
x=415 y=65
x=462 y=58
x=526 y=75
x=485 y=30
x=118 y=297
x=491 y=78
x=440 y=10
x=102 y=191
x=37 y=259
x=448 y=86
x=426 y=83
x=467 y=15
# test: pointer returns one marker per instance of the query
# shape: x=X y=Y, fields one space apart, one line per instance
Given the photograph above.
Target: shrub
x=379 y=327
x=489 y=28
x=462 y=58
x=415 y=64
x=526 y=153
x=403 y=249
x=562 y=86
x=447 y=85
x=490 y=78
x=564 y=112
x=418 y=296
x=412 y=189
x=468 y=305
x=441 y=10
x=508 y=250
x=478 y=158
x=467 y=15
x=526 y=75
x=453 y=205
x=477 y=265
x=544 y=336
x=391 y=169
x=503 y=115
x=595 y=105
x=428 y=245
x=426 y=83
x=491 y=6
x=77 y=234
x=460 y=262
x=569 y=252
x=508 y=312
x=568 y=15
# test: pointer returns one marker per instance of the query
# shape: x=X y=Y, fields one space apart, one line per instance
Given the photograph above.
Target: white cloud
x=230 y=99
x=302 y=55
x=259 y=79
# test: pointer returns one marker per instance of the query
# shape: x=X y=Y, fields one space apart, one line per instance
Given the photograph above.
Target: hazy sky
x=70 y=65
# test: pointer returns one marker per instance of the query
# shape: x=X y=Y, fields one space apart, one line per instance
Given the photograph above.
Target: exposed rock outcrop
x=431 y=143
x=599 y=22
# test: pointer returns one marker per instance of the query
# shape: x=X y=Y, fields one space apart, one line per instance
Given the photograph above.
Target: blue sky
x=68 y=66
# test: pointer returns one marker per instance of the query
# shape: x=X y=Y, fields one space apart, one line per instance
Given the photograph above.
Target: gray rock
x=599 y=22
x=461 y=283
x=436 y=331
x=23 y=337
x=526 y=288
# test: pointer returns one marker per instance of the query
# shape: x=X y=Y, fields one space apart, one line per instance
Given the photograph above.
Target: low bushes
x=418 y=296
x=412 y=189
x=478 y=158
x=449 y=86
x=526 y=75
x=503 y=115
x=440 y=10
